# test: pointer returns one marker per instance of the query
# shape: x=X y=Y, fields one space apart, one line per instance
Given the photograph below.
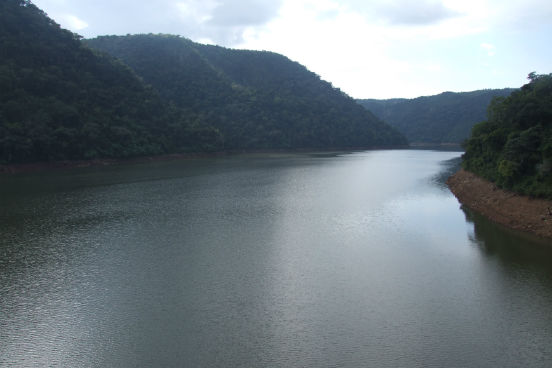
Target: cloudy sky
x=368 y=48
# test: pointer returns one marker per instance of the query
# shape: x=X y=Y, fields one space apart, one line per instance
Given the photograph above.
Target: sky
x=367 y=48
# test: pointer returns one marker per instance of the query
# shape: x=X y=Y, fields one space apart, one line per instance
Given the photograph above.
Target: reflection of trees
x=511 y=247
x=448 y=168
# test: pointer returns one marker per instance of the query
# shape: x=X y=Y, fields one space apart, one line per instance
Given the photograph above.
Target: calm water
x=349 y=260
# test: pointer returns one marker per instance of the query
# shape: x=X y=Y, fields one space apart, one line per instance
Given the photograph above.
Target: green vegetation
x=62 y=100
x=513 y=148
x=59 y=100
x=257 y=100
x=444 y=118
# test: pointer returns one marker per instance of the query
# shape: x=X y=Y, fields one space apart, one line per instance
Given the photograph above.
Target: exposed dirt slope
x=507 y=208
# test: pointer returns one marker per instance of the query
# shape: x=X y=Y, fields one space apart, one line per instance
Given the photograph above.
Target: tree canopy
x=61 y=98
x=256 y=99
x=444 y=118
x=513 y=147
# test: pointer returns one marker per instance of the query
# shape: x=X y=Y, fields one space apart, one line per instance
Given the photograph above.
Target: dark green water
x=351 y=260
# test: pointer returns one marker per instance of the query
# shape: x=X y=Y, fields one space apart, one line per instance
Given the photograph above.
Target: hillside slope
x=513 y=147
x=256 y=99
x=444 y=118
x=60 y=100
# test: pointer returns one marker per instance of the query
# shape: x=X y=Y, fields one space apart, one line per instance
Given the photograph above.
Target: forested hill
x=60 y=100
x=256 y=99
x=444 y=118
x=513 y=147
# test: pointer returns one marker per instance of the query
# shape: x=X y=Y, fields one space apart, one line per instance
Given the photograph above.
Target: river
x=361 y=259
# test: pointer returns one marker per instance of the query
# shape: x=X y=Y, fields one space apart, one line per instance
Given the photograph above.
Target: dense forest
x=256 y=99
x=444 y=118
x=513 y=147
x=61 y=99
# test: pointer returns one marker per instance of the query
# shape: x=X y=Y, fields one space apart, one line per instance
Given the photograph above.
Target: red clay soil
x=501 y=206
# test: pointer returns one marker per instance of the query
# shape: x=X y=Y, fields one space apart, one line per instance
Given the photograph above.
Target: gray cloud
x=418 y=12
x=245 y=13
x=229 y=19
x=404 y=12
x=222 y=21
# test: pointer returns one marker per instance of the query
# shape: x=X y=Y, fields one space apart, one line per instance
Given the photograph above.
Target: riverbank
x=71 y=164
x=506 y=208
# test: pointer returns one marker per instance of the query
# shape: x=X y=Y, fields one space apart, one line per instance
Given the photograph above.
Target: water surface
x=303 y=260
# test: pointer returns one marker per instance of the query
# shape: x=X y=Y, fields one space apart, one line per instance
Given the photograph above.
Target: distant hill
x=444 y=118
x=60 y=100
x=256 y=99
x=513 y=147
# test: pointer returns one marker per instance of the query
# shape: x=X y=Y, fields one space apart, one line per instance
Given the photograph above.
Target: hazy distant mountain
x=444 y=118
x=256 y=99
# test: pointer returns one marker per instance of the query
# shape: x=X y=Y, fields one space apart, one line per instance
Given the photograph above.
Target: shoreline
x=71 y=164
x=517 y=212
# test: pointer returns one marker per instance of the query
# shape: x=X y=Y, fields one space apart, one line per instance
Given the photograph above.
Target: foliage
x=444 y=118
x=60 y=99
x=257 y=100
x=514 y=146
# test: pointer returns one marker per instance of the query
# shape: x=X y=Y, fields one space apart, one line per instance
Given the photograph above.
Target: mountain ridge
x=281 y=102
x=63 y=100
x=443 y=118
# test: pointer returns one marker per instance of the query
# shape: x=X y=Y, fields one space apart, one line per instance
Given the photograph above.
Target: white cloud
x=72 y=22
x=224 y=22
x=374 y=48
x=245 y=12
x=342 y=47
x=490 y=49
x=196 y=11
x=421 y=12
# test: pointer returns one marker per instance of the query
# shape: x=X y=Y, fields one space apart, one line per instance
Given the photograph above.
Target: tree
x=514 y=146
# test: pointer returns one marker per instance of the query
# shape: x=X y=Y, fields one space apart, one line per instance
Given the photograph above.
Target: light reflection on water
x=343 y=260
